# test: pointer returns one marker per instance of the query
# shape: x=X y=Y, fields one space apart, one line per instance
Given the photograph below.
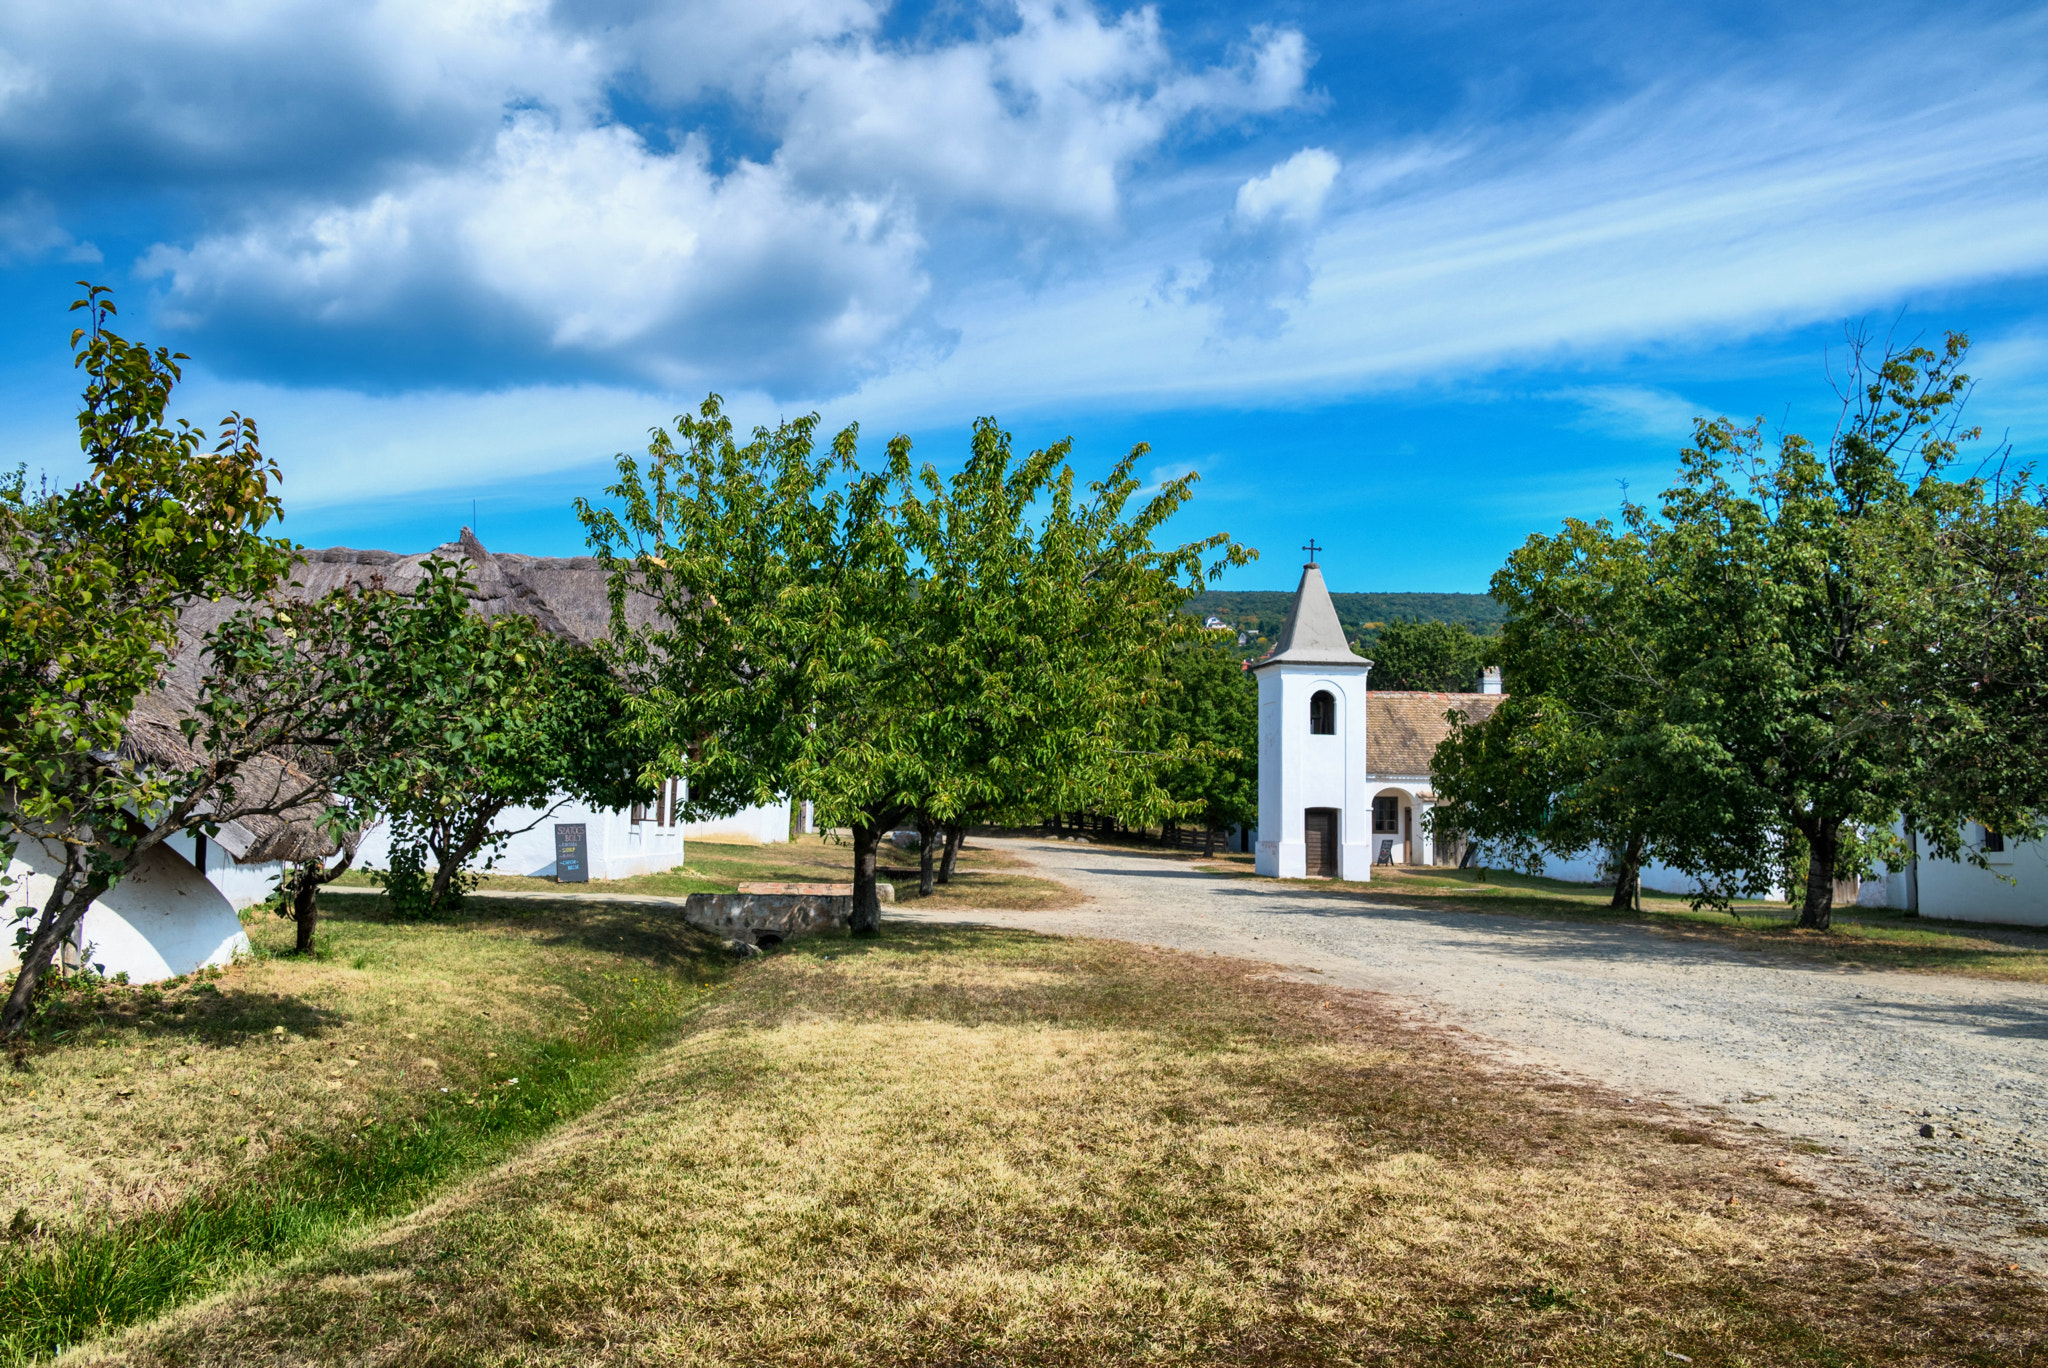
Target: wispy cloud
x=1740 y=204
x=1632 y=411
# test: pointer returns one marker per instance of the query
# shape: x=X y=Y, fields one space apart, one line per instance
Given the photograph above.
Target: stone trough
x=764 y=914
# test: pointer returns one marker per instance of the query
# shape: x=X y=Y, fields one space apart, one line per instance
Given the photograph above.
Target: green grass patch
x=984 y=877
x=323 y=1176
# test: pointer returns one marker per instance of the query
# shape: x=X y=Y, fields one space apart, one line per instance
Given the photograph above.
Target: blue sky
x=1414 y=279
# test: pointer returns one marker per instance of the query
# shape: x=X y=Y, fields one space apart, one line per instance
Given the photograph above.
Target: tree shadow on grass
x=195 y=1010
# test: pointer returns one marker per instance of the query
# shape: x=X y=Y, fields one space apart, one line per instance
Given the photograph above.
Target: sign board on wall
x=571 y=859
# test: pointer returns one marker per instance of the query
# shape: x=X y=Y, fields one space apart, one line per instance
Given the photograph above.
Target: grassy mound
x=166 y=1141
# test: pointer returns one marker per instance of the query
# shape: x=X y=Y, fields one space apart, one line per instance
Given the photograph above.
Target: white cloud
x=593 y=245
x=1045 y=119
x=1676 y=215
x=493 y=198
x=286 y=89
x=29 y=229
x=1295 y=189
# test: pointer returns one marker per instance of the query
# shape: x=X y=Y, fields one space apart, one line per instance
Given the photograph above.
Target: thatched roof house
x=566 y=596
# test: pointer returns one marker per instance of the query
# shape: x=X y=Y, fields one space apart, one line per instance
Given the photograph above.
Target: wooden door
x=1320 y=833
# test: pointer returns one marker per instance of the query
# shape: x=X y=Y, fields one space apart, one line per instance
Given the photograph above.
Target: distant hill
x=1259 y=613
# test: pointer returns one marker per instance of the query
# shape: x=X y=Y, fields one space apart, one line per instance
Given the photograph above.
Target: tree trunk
x=453 y=852
x=306 y=905
x=1823 y=838
x=445 y=865
x=306 y=892
x=73 y=893
x=867 y=905
x=955 y=833
x=927 y=832
x=1628 y=876
x=1209 y=839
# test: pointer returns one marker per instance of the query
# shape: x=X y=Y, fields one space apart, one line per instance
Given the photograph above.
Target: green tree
x=761 y=605
x=102 y=755
x=785 y=626
x=1965 y=601
x=1207 y=718
x=1429 y=656
x=496 y=715
x=1792 y=584
x=1805 y=647
x=1041 y=634
x=1580 y=754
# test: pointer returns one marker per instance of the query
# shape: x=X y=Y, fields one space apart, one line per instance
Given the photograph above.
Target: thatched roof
x=567 y=596
x=1404 y=728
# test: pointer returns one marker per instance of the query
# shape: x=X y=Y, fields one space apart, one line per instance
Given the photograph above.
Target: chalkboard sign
x=570 y=863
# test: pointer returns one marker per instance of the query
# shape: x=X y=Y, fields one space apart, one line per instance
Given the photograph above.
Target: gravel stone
x=1805 y=1049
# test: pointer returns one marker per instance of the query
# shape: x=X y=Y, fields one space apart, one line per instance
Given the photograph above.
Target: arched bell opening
x=1322 y=713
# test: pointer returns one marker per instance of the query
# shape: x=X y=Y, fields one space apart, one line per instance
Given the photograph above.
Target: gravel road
x=1851 y=1060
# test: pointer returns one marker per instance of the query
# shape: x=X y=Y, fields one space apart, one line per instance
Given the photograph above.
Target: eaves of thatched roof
x=567 y=597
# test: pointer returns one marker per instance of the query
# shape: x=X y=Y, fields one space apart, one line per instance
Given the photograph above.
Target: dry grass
x=1871 y=938
x=136 y=1097
x=969 y=1146
x=984 y=878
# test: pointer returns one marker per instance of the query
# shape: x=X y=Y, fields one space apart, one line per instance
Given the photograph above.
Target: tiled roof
x=1403 y=728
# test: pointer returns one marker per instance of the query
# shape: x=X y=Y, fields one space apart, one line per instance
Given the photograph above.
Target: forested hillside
x=1259 y=613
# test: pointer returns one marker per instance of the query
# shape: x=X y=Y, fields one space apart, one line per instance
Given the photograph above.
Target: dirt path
x=1854 y=1061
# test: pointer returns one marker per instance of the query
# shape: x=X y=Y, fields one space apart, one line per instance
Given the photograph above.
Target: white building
x=2013 y=890
x=1312 y=779
x=617 y=844
x=178 y=913
x=159 y=922
x=1343 y=771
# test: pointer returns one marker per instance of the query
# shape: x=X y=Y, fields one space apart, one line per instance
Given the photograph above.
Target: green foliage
x=1580 y=753
x=1432 y=656
x=486 y=714
x=408 y=885
x=1207 y=718
x=1803 y=647
x=92 y=581
x=1977 y=653
x=882 y=642
x=1042 y=622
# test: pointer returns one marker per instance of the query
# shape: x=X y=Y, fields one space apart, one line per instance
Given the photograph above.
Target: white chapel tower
x=1313 y=815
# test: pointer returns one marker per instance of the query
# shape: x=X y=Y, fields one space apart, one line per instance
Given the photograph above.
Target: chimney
x=1489 y=680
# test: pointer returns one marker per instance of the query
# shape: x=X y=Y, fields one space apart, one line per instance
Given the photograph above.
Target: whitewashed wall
x=1413 y=815
x=1592 y=868
x=2014 y=890
x=1299 y=770
x=617 y=846
x=159 y=922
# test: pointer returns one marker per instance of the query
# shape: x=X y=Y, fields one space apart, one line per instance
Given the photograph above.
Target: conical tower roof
x=1312 y=636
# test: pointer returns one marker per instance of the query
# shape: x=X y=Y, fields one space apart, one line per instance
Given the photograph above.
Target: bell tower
x=1313 y=816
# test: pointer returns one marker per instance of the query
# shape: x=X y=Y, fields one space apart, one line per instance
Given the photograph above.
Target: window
x=1322 y=714
x=1386 y=816
x=1994 y=842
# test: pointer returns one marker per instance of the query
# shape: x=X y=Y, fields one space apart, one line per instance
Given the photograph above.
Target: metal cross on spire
x=1312 y=548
